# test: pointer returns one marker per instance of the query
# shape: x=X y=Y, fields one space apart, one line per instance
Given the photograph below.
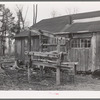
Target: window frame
x=81 y=45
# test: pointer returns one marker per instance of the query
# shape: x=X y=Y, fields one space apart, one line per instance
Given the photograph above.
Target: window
x=81 y=43
x=44 y=41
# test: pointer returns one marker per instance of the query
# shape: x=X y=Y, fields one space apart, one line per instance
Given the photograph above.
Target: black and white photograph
x=50 y=46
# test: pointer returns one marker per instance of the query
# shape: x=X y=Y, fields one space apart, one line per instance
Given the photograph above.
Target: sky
x=46 y=8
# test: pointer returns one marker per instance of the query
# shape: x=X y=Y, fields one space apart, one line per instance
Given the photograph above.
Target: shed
x=21 y=44
x=84 y=45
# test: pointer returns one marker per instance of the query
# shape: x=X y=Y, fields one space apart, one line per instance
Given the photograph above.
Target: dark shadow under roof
x=25 y=33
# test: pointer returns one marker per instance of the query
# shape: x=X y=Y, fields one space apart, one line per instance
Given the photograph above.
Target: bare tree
x=7 y=21
x=71 y=11
x=54 y=14
x=21 y=18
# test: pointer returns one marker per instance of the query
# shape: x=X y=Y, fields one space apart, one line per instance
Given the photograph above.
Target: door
x=80 y=52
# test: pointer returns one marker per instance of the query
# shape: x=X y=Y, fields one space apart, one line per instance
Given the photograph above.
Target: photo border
x=52 y=93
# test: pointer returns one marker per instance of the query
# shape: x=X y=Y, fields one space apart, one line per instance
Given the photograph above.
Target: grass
x=47 y=82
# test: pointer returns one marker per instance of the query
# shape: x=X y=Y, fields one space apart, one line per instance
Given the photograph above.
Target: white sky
x=45 y=8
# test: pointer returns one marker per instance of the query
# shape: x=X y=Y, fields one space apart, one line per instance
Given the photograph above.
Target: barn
x=83 y=29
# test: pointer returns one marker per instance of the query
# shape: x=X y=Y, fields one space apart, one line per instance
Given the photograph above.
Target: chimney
x=70 y=19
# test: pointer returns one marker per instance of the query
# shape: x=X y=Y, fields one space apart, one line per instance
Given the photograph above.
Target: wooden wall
x=97 y=50
x=19 y=48
x=81 y=55
x=85 y=56
x=21 y=45
x=0 y=48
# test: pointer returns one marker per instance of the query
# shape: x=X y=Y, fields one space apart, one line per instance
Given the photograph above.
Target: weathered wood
x=44 y=64
x=43 y=54
x=41 y=49
x=45 y=60
x=97 y=51
x=53 y=63
x=22 y=49
x=82 y=56
x=30 y=62
x=53 y=44
x=58 y=67
x=93 y=43
x=66 y=63
x=82 y=35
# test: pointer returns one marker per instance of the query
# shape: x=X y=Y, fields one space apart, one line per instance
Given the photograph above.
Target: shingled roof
x=62 y=24
x=58 y=24
x=84 y=27
x=25 y=33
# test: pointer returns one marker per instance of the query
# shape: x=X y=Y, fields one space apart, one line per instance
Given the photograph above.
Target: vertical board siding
x=98 y=50
x=0 y=48
x=82 y=57
x=90 y=59
x=94 y=51
x=35 y=44
x=23 y=50
x=18 y=48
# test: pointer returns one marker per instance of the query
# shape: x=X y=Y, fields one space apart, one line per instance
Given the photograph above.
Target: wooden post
x=40 y=49
x=93 y=44
x=30 y=62
x=58 y=65
x=75 y=69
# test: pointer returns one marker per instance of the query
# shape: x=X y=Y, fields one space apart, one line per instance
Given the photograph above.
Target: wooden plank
x=84 y=35
x=53 y=44
x=97 y=51
x=55 y=62
x=44 y=54
x=79 y=68
x=71 y=63
x=23 y=50
x=87 y=59
x=18 y=46
x=44 y=60
x=93 y=51
x=30 y=62
x=44 y=64
x=58 y=68
x=90 y=59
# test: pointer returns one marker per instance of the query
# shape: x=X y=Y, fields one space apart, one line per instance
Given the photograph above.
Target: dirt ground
x=47 y=82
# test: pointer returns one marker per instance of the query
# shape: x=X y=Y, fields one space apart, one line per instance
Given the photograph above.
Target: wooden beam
x=58 y=65
x=41 y=49
x=30 y=62
x=43 y=54
x=53 y=44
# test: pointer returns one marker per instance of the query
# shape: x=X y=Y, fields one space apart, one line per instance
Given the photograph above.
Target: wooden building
x=84 y=31
x=85 y=45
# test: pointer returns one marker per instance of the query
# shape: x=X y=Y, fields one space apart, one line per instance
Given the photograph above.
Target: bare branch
x=71 y=11
x=54 y=14
x=26 y=14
